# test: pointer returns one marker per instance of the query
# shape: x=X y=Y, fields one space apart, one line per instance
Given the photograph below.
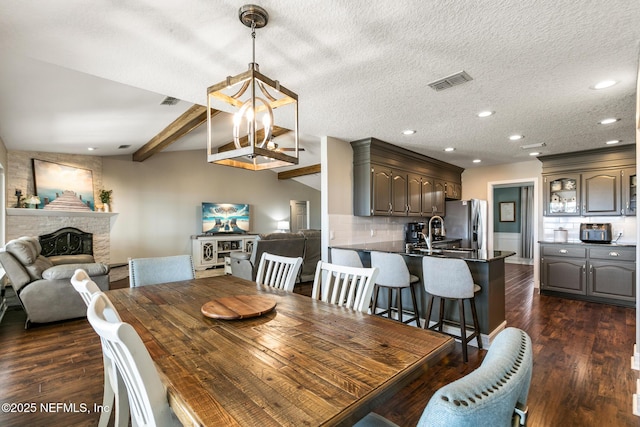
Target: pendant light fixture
x=257 y=104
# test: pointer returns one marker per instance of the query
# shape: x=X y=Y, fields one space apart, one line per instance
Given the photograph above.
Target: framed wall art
x=507 y=211
x=72 y=187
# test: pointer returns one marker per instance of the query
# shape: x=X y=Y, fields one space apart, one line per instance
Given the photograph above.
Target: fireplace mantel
x=46 y=212
x=36 y=222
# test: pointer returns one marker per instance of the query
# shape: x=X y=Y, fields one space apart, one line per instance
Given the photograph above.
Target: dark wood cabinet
x=562 y=195
x=414 y=195
x=599 y=273
x=601 y=193
x=612 y=273
x=629 y=189
x=597 y=182
x=453 y=191
x=563 y=269
x=399 y=202
x=381 y=187
x=392 y=181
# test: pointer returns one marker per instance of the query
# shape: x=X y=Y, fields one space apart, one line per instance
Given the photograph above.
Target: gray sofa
x=43 y=287
x=305 y=244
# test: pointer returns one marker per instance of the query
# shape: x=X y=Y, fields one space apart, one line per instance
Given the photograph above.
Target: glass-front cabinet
x=562 y=195
x=629 y=188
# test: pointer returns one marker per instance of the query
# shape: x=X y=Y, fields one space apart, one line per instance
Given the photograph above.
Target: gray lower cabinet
x=595 y=273
x=612 y=273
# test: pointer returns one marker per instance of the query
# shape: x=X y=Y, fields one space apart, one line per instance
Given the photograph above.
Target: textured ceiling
x=75 y=74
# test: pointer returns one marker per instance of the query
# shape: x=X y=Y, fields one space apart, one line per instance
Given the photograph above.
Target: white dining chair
x=347 y=257
x=114 y=390
x=151 y=271
x=349 y=287
x=278 y=271
x=147 y=394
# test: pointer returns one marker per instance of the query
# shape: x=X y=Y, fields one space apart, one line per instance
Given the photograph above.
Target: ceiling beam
x=195 y=116
x=307 y=170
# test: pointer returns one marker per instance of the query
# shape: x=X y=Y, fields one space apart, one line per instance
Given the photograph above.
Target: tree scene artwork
x=62 y=187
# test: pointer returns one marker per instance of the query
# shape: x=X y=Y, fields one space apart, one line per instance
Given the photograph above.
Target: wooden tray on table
x=238 y=307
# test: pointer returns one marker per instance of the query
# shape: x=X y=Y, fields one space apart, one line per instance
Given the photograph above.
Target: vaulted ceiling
x=76 y=74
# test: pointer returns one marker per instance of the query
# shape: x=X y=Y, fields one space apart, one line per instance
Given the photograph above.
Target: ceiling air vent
x=122 y=147
x=450 y=81
x=169 y=100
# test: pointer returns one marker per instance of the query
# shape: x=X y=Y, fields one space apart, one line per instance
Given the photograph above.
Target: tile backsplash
x=350 y=230
x=619 y=224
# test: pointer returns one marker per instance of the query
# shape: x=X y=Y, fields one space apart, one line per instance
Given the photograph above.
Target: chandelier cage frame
x=250 y=97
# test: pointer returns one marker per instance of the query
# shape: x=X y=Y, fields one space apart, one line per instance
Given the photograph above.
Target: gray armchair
x=44 y=288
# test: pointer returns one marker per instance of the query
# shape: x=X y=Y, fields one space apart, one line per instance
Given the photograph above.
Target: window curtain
x=526 y=223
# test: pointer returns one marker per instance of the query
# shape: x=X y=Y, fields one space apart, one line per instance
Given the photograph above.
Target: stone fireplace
x=36 y=222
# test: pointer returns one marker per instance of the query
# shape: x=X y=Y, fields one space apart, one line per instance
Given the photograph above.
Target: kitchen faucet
x=429 y=240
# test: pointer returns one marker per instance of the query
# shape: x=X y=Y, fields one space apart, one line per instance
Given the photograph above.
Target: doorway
x=534 y=220
x=514 y=233
x=299 y=215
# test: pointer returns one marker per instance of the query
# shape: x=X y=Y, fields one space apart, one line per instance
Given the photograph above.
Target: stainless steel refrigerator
x=467 y=220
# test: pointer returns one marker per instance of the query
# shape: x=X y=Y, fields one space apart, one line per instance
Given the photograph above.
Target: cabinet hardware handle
x=564 y=251
x=614 y=254
x=590 y=269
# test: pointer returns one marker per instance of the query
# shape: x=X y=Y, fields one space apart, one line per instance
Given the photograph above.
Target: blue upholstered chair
x=151 y=271
x=493 y=395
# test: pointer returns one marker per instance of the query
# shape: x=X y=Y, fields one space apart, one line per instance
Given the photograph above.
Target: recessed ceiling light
x=92 y=148
x=408 y=132
x=534 y=153
x=612 y=142
x=604 y=84
x=485 y=113
x=449 y=149
x=477 y=161
x=608 y=121
x=516 y=137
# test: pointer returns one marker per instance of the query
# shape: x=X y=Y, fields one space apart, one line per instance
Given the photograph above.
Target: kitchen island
x=487 y=269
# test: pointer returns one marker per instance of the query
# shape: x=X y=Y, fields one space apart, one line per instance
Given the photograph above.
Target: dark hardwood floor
x=581 y=375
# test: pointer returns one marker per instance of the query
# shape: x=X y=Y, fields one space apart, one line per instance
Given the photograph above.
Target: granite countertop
x=398 y=246
x=580 y=243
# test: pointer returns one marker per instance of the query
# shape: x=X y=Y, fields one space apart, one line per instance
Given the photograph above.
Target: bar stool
x=394 y=275
x=450 y=279
x=347 y=257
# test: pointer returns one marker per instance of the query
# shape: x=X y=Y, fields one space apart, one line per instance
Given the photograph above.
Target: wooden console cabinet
x=599 y=273
x=211 y=251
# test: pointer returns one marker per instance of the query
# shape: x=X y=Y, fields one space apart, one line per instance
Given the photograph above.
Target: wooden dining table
x=303 y=363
